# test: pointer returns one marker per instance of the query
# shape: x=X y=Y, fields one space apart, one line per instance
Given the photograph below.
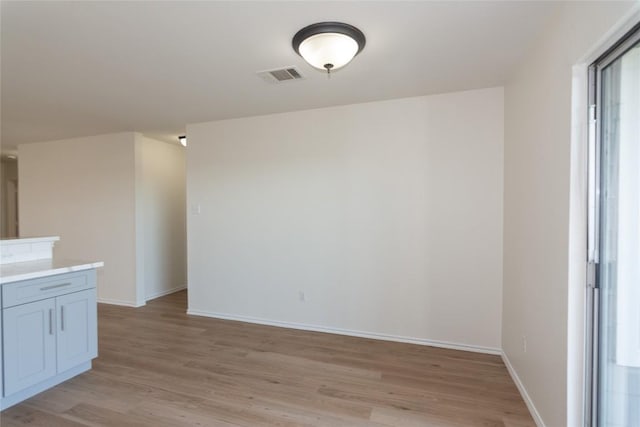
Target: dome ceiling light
x=328 y=45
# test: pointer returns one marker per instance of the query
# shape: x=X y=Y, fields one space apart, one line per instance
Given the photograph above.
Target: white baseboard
x=523 y=392
x=166 y=292
x=141 y=303
x=119 y=302
x=348 y=332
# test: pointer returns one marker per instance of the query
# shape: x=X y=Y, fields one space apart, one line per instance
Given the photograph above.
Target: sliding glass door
x=615 y=237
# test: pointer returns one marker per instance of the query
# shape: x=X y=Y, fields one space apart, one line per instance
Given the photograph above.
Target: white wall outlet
x=302 y=296
x=196 y=209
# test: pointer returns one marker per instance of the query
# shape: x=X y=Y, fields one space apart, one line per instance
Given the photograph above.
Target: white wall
x=161 y=217
x=537 y=199
x=117 y=198
x=82 y=190
x=387 y=215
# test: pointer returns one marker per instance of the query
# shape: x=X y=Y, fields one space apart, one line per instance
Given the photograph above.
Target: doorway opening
x=9 y=194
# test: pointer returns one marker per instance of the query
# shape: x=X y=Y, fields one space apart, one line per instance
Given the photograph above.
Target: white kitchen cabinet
x=1 y=357
x=77 y=329
x=29 y=344
x=49 y=328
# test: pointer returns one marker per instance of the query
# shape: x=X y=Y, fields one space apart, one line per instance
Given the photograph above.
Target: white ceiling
x=84 y=68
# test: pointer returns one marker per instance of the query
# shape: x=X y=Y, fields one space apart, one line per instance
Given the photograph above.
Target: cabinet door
x=1 y=362
x=29 y=343
x=77 y=329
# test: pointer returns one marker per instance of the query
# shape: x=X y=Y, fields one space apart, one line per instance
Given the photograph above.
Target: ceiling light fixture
x=183 y=140
x=328 y=45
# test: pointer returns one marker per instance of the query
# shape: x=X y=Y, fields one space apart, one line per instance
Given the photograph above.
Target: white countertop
x=15 y=271
x=19 y=241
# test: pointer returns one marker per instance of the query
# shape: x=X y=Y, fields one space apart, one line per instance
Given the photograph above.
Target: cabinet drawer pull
x=50 y=321
x=62 y=318
x=46 y=288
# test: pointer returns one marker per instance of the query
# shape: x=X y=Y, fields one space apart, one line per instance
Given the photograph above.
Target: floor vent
x=280 y=75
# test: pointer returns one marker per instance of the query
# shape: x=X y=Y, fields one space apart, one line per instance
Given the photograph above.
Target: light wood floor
x=160 y=367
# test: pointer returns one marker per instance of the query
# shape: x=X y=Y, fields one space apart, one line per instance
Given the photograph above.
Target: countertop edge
x=50 y=272
x=18 y=241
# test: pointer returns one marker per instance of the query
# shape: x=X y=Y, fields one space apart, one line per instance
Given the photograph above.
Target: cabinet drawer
x=26 y=291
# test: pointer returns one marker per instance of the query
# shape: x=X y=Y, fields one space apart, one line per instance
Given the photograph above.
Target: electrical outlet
x=195 y=209
x=302 y=297
x=524 y=344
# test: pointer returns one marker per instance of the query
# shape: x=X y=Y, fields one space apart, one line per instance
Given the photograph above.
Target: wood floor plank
x=100 y=416
x=158 y=366
x=25 y=414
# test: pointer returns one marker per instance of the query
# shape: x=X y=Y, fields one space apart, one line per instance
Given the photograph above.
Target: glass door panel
x=618 y=342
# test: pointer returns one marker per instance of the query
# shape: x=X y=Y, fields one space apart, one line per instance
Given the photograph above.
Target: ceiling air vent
x=280 y=75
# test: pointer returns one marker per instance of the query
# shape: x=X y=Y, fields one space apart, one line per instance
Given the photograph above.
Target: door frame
x=592 y=343
x=577 y=322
